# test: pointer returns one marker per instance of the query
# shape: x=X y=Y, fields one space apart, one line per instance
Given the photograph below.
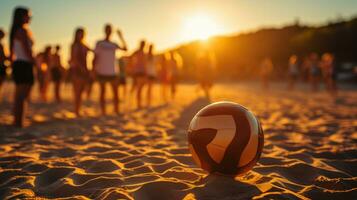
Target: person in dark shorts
x=57 y=72
x=104 y=66
x=22 y=60
x=3 y=58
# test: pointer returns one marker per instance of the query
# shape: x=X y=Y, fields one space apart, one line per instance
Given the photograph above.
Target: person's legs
x=149 y=95
x=21 y=93
x=114 y=86
x=102 y=97
x=78 y=87
x=139 y=85
x=57 y=85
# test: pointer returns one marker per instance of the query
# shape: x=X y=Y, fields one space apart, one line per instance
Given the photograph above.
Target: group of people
x=312 y=69
x=143 y=66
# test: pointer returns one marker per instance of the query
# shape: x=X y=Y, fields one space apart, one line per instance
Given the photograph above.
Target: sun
x=199 y=27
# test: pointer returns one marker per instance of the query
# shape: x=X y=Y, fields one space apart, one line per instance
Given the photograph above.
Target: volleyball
x=225 y=138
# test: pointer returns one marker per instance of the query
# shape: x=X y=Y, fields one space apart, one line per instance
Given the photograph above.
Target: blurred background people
x=124 y=64
x=3 y=58
x=78 y=66
x=43 y=60
x=314 y=72
x=164 y=76
x=57 y=73
x=293 y=72
x=151 y=72
x=329 y=72
x=104 y=66
x=21 y=56
x=174 y=65
x=205 y=66
x=139 y=72
x=266 y=69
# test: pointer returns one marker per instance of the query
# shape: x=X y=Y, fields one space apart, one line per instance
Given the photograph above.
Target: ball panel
x=250 y=150
x=217 y=147
x=194 y=155
x=213 y=121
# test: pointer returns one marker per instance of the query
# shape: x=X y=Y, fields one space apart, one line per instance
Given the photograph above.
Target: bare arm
x=124 y=47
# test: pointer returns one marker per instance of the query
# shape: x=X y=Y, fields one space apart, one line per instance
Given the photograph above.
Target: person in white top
x=22 y=61
x=104 y=66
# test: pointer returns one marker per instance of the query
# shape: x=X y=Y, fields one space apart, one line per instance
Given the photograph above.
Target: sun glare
x=199 y=27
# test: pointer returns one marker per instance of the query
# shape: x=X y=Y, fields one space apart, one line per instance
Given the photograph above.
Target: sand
x=310 y=149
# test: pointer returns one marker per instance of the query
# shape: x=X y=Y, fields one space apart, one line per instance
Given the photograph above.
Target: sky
x=166 y=23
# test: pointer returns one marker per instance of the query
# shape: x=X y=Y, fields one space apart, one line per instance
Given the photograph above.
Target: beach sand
x=310 y=149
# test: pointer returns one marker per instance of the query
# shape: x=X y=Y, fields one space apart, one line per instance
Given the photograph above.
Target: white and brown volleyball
x=225 y=138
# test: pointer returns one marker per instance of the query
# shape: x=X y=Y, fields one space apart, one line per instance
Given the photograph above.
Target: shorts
x=106 y=78
x=122 y=80
x=56 y=74
x=139 y=74
x=22 y=72
x=2 y=71
x=151 y=77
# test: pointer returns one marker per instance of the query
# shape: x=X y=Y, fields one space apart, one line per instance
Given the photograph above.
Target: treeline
x=238 y=57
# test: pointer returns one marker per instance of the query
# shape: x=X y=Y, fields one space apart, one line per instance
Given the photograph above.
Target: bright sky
x=166 y=23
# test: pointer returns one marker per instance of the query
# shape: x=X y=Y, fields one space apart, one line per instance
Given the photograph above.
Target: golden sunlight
x=199 y=27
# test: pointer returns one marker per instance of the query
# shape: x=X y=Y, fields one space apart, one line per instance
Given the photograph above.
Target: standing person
x=123 y=62
x=314 y=72
x=43 y=72
x=139 y=71
x=164 y=76
x=78 y=66
x=266 y=68
x=175 y=64
x=57 y=72
x=293 y=71
x=3 y=58
x=105 y=68
x=22 y=60
x=205 y=65
x=329 y=72
x=151 y=73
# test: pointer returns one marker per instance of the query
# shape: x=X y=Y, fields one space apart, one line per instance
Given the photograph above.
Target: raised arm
x=122 y=40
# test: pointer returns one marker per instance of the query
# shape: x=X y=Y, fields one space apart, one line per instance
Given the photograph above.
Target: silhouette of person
x=151 y=73
x=164 y=76
x=105 y=68
x=3 y=58
x=43 y=75
x=314 y=71
x=22 y=60
x=174 y=66
x=329 y=73
x=124 y=64
x=139 y=71
x=266 y=68
x=293 y=72
x=57 y=72
x=78 y=66
x=205 y=66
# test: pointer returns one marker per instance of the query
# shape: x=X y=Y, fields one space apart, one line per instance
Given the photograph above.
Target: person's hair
x=58 y=47
x=2 y=33
x=142 y=44
x=17 y=22
x=78 y=31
